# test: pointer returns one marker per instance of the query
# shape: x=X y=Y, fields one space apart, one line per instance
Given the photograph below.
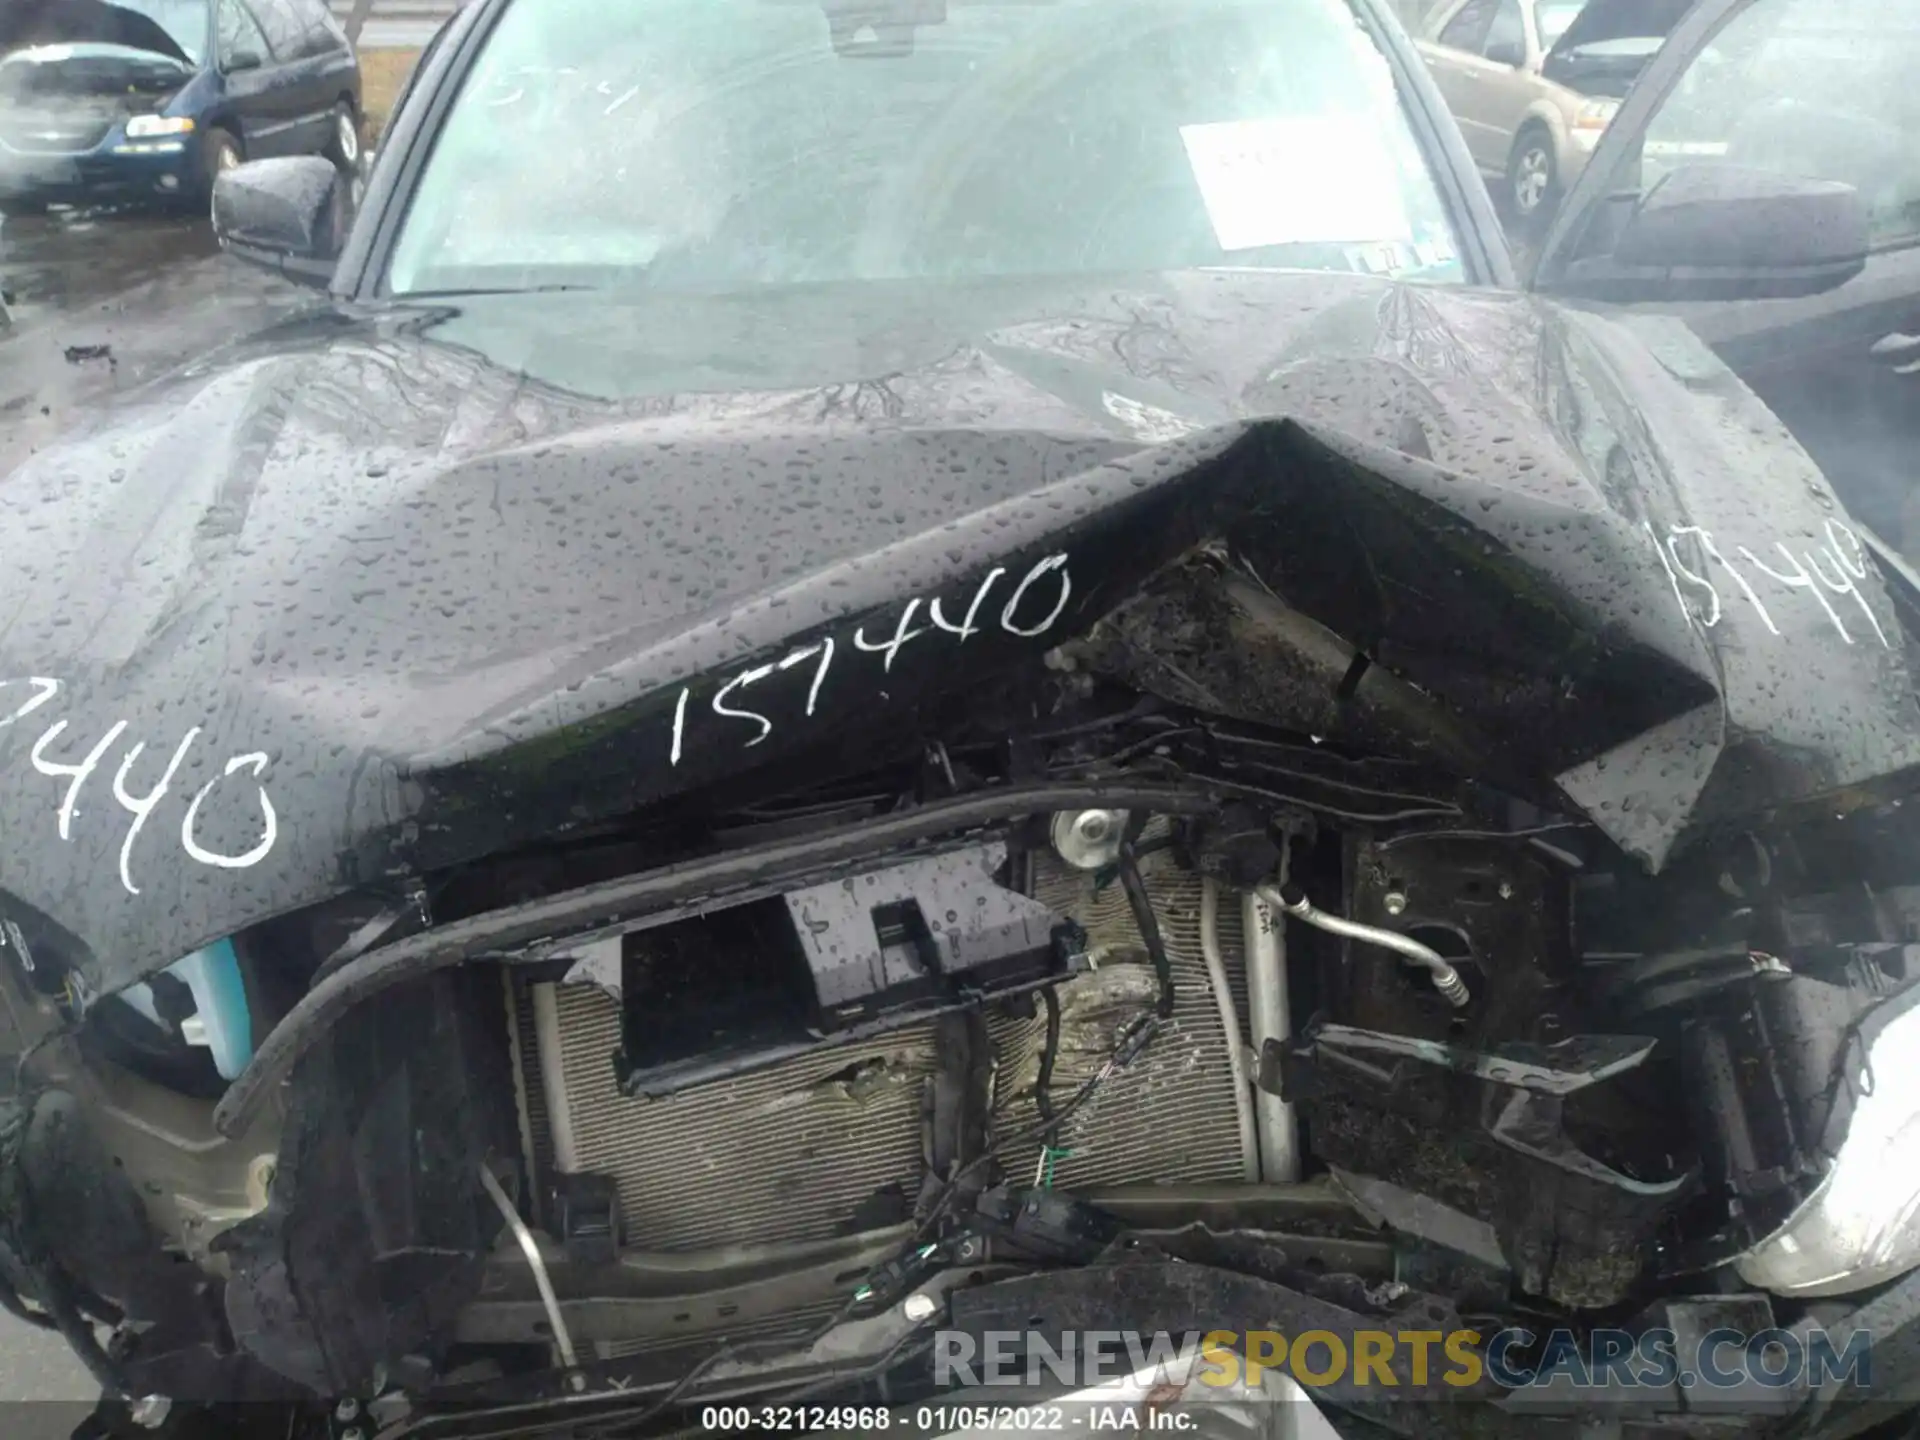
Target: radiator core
x=801 y=1152
x=781 y=1156
x=1170 y=1116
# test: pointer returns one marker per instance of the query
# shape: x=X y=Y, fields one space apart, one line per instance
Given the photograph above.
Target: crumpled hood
x=363 y=598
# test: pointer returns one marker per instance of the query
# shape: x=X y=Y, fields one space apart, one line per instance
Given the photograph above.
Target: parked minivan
x=128 y=101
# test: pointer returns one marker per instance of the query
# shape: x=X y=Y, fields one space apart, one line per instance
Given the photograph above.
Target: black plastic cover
x=377 y=1227
x=1421 y=1116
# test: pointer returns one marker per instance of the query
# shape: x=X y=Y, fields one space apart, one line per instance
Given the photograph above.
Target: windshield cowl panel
x=729 y=146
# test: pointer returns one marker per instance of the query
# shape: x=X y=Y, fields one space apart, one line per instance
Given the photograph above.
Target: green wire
x=1052 y=1156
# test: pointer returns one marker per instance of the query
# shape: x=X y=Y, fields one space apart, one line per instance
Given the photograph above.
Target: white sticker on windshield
x=1304 y=180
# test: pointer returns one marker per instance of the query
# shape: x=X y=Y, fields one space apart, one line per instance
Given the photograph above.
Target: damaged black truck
x=630 y=828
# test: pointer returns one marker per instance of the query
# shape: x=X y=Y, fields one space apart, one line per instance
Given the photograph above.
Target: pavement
x=37 y=1367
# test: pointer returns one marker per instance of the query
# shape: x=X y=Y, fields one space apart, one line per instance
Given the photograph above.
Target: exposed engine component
x=1784 y=1070
x=1089 y=839
x=1293 y=901
x=530 y=1247
x=834 y=964
x=1484 y=1129
x=846 y=1121
x=1489 y=1137
x=837 y=1142
x=798 y=1109
x=1270 y=1017
x=1172 y=1116
x=929 y=928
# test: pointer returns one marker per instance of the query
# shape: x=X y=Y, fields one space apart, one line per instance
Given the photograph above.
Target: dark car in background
x=148 y=100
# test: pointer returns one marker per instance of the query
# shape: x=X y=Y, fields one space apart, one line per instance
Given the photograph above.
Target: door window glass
x=1812 y=89
x=240 y=34
x=285 y=34
x=1507 y=36
x=323 y=33
x=1553 y=17
x=1468 y=29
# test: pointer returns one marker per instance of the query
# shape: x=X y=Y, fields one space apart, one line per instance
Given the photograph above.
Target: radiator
x=1170 y=1116
x=782 y=1156
x=792 y=1154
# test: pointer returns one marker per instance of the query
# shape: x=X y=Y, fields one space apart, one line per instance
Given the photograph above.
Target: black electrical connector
x=1043 y=1086
x=1142 y=906
x=1047 y=1224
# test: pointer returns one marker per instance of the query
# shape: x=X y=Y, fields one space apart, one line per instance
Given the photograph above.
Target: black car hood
x=1606 y=20
x=371 y=596
x=26 y=23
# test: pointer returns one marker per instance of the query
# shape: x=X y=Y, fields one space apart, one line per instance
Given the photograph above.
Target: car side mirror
x=1728 y=232
x=289 y=215
x=1507 y=53
x=244 y=60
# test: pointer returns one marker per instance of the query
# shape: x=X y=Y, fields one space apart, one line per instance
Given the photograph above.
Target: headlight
x=1862 y=1226
x=146 y=127
x=1595 y=115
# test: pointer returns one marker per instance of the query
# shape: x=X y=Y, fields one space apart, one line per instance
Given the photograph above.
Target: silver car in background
x=1533 y=83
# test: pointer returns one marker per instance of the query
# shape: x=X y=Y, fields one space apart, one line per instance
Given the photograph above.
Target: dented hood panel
x=365 y=597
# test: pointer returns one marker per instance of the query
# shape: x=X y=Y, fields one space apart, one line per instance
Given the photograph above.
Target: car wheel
x=344 y=146
x=1533 y=175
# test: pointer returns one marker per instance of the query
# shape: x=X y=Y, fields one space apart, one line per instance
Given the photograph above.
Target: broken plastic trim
x=222 y=1021
x=530 y=1247
x=655 y=895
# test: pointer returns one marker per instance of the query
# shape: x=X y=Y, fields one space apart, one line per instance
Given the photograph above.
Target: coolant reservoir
x=220 y=1020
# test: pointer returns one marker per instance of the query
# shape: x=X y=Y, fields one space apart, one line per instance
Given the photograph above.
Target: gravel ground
x=36 y=1366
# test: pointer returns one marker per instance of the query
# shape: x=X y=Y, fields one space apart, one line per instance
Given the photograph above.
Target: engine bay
x=1206 y=970
x=1255 y=1005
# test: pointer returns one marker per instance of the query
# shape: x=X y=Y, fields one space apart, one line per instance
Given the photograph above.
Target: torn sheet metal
x=366 y=598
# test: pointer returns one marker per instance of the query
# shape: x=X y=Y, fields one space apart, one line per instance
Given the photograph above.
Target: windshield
x=1553 y=17
x=721 y=145
x=177 y=29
